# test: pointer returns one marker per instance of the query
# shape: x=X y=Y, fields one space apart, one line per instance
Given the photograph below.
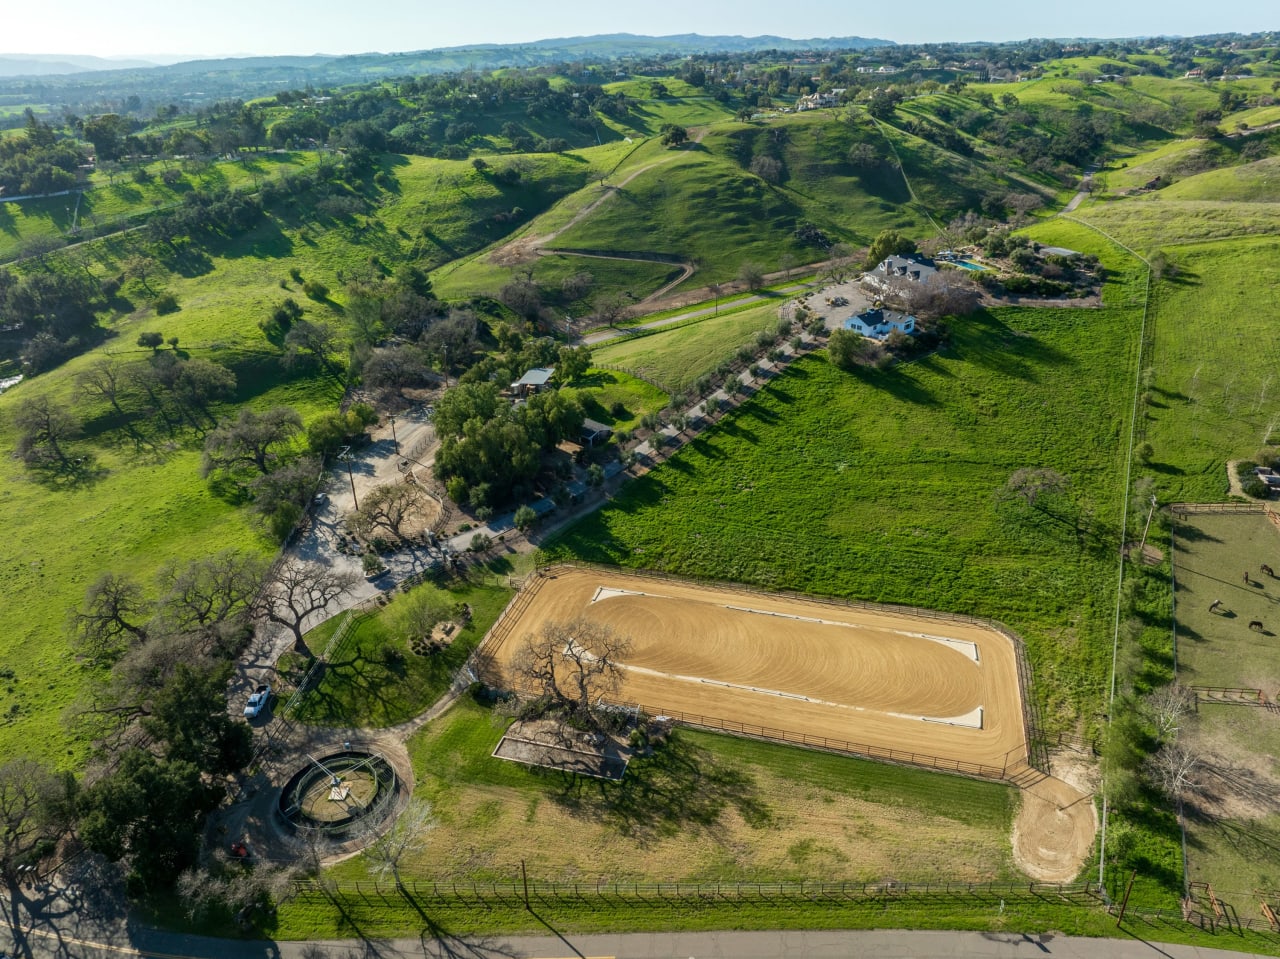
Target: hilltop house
x=894 y=269
x=815 y=101
x=877 y=323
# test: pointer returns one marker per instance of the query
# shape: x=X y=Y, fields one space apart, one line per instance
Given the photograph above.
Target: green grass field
x=885 y=486
x=375 y=679
x=1257 y=182
x=1151 y=223
x=1213 y=394
x=676 y=358
x=707 y=807
x=1232 y=838
x=122 y=202
x=599 y=390
x=145 y=510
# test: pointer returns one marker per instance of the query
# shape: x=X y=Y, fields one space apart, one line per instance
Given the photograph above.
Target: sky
x=279 y=27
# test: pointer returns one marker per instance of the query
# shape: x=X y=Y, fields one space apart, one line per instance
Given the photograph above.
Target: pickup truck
x=258 y=701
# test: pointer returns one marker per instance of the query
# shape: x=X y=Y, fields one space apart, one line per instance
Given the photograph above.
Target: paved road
x=71 y=939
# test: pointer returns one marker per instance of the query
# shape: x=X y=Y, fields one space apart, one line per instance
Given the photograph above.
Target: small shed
x=593 y=433
x=534 y=381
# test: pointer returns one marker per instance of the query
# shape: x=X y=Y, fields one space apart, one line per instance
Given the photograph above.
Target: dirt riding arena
x=944 y=691
x=931 y=691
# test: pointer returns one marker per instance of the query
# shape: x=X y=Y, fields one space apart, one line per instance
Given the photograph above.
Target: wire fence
x=608 y=894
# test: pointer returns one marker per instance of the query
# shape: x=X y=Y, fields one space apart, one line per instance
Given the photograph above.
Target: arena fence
x=1014 y=768
x=1012 y=765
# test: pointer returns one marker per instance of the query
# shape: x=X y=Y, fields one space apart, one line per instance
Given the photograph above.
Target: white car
x=257 y=702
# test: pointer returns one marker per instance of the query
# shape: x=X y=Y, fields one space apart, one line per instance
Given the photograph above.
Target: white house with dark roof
x=893 y=269
x=877 y=324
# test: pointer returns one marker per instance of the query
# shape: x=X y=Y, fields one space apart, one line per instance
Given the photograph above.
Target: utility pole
x=393 y=435
x=345 y=456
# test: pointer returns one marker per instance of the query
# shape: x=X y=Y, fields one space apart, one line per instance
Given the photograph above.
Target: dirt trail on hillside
x=524 y=248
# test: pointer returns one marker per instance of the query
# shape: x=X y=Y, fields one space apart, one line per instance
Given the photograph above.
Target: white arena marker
x=964 y=647
x=971 y=720
x=607 y=592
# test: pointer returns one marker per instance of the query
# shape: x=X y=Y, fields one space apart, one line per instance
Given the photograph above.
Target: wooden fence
x=1237 y=695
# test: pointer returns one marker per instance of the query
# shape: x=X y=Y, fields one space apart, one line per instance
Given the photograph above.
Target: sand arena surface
x=942 y=689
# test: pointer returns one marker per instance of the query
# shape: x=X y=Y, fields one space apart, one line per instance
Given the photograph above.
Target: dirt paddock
x=874 y=680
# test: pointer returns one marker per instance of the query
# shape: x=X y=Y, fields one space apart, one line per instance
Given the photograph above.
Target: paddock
x=937 y=692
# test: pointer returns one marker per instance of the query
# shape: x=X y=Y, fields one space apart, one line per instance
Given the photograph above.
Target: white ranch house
x=877 y=324
x=894 y=269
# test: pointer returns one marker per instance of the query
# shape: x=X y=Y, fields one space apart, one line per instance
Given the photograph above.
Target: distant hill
x=56 y=64
x=321 y=69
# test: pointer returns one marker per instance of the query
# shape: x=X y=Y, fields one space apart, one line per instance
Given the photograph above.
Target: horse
x=1256 y=624
x=1267 y=569
x=1215 y=605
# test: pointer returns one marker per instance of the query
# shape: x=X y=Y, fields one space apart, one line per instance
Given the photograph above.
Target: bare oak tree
x=407 y=835
x=1168 y=708
x=114 y=617
x=1172 y=768
x=210 y=591
x=575 y=664
x=387 y=507
x=300 y=589
x=35 y=811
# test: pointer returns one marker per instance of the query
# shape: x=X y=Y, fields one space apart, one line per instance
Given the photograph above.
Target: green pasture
x=887 y=486
x=1152 y=223
x=141 y=509
x=479 y=276
x=677 y=357
x=376 y=679
x=105 y=204
x=1175 y=158
x=1230 y=844
x=1213 y=394
x=598 y=390
x=1257 y=182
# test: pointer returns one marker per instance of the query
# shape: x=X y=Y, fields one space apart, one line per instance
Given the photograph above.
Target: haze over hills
x=52 y=64
x=331 y=68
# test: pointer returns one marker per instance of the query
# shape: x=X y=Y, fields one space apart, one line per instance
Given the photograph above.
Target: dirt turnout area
x=869 y=678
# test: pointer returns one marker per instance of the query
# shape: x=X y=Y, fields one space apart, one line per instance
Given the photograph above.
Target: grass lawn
x=1232 y=838
x=885 y=486
x=677 y=357
x=375 y=679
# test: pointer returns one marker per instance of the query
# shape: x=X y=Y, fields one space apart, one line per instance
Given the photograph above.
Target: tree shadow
x=678 y=787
